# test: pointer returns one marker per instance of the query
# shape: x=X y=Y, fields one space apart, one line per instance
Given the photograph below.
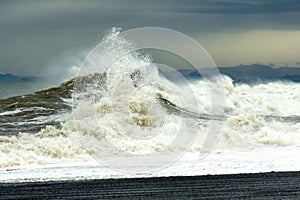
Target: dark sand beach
x=272 y=185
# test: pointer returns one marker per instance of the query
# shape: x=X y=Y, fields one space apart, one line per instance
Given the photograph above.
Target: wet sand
x=279 y=185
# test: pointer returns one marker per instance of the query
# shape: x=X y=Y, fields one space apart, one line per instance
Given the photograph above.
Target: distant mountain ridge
x=253 y=73
x=256 y=72
x=13 y=78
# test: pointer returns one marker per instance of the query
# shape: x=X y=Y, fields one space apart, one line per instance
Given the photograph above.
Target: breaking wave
x=130 y=108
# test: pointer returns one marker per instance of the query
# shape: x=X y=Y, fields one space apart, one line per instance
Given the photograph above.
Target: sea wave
x=128 y=110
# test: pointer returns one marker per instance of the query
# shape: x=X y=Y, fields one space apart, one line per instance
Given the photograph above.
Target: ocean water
x=128 y=111
x=11 y=89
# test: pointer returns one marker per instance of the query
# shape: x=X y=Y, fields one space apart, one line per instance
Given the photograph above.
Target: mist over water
x=106 y=109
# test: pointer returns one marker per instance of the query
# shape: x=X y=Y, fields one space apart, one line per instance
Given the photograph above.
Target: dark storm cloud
x=241 y=7
x=35 y=34
x=28 y=15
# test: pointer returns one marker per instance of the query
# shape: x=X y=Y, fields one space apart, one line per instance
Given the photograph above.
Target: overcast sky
x=38 y=37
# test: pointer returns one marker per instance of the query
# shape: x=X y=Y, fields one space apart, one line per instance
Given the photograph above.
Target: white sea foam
x=268 y=159
x=10 y=112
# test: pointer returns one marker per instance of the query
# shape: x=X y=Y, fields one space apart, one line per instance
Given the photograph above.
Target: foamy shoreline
x=263 y=159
